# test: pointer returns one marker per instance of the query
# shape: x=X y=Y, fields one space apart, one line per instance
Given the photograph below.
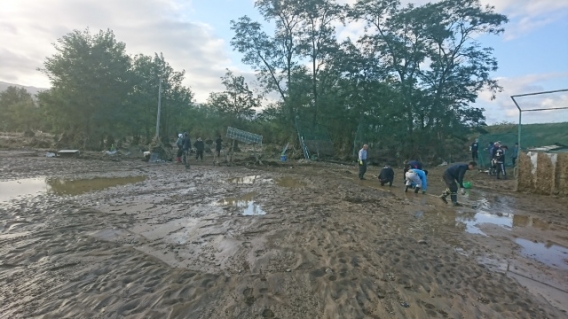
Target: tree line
x=405 y=85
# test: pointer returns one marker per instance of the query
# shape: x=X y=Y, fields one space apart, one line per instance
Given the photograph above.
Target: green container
x=467 y=185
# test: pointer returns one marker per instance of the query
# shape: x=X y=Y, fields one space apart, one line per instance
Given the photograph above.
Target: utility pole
x=159 y=108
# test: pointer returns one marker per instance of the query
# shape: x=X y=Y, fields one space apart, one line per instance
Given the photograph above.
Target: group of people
x=496 y=154
x=183 y=144
x=416 y=177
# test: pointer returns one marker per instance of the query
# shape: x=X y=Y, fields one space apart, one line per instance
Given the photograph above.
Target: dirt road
x=288 y=241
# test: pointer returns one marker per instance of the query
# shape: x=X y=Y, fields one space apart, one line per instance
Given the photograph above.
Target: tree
x=431 y=53
x=18 y=109
x=237 y=102
x=273 y=57
x=90 y=82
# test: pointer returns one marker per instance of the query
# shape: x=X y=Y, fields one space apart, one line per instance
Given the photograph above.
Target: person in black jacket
x=218 y=145
x=186 y=143
x=386 y=175
x=199 y=147
x=455 y=173
x=474 y=148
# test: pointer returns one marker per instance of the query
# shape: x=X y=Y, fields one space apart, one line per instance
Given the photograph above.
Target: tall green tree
x=437 y=65
x=90 y=76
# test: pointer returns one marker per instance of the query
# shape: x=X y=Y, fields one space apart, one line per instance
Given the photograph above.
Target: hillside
x=32 y=89
x=532 y=135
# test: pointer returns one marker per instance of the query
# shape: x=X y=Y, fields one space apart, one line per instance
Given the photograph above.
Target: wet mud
x=138 y=240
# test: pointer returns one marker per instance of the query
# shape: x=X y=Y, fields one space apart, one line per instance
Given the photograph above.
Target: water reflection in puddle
x=245 y=203
x=245 y=180
x=548 y=254
x=37 y=186
x=22 y=187
x=472 y=221
x=289 y=182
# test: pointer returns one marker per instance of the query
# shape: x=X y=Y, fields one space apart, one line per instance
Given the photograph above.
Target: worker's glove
x=360 y=162
x=462 y=191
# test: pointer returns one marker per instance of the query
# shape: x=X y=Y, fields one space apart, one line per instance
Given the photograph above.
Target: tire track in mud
x=329 y=249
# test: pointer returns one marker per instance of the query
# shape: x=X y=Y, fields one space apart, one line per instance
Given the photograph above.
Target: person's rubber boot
x=406 y=188
x=416 y=190
x=444 y=196
x=455 y=200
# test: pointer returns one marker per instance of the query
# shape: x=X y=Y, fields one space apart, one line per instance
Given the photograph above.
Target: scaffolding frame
x=533 y=110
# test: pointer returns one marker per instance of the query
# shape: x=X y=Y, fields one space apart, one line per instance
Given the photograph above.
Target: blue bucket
x=283 y=158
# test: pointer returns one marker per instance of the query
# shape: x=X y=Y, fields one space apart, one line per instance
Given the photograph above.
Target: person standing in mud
x=490 y=151
x=500 y=162
x=455 y=173
x=474 y=148
x=179 y=144
x=199 y=147
x=218 y=145
x=515 y=154
x=186 y=143
x=363 y=161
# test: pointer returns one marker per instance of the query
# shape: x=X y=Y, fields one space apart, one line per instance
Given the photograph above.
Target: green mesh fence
x=534 y=135
x=315 y=140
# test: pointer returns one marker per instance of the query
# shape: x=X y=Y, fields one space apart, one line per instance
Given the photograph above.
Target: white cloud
x=503 y=108
x=28 y=28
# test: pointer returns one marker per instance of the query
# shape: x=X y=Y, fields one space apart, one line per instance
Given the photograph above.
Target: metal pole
x=520 y=122
x=159 y=108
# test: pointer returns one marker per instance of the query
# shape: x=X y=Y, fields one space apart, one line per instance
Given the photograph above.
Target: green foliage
x=18 y=110
x=99 y=93
x=405 y=86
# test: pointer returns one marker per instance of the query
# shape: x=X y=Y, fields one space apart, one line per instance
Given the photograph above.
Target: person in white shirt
x=363 y=161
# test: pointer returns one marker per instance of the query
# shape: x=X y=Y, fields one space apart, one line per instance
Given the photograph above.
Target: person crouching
x=417 y=178
x=386 y=175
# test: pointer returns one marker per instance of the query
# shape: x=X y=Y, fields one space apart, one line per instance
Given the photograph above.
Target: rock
x=329 y=271
x=423 y=242
x=288 y=270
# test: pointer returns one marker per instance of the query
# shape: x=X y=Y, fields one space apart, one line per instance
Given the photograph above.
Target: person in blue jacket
x=417 y=178
x=455 y=173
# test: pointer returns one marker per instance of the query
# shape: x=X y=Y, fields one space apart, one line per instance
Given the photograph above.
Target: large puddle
x=245 y=204
x=37 y=186
x=549 y=254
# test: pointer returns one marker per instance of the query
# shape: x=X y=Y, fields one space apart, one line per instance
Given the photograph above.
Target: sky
x=195 y=35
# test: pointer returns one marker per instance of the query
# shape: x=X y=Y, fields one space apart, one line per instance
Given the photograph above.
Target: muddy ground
x=140 y=240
